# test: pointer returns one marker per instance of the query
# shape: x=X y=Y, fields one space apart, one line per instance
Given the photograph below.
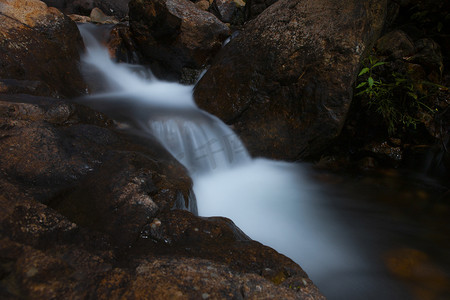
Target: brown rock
x=226 y=9
x=176 y=33
x=395 y=44
x=429 y=56
x=385 y=150
x=116 y=8
x=98 y=16
x=285 y=82
x=50 y=150
x=79 y=19
x=89 y=212
x=33 y=87
x=255 y=7
x=202 y=5
x=40 y=44
x=121 y=45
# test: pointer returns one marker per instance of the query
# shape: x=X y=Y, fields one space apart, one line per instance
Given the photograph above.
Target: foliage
x=431 y=17
x=398 y=99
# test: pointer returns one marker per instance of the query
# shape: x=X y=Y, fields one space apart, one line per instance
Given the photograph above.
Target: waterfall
x=273 y=202
x=200 y=141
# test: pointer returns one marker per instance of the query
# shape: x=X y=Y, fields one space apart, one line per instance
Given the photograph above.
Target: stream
x=342 y=229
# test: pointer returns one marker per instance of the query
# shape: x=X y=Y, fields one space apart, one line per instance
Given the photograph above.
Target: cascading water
x=272 y=202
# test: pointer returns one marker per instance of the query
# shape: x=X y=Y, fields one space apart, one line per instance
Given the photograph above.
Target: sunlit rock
x=203 y=5
x=39 y=43
x=98 y=16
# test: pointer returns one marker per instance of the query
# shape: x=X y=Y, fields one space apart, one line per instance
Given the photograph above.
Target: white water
x=272 y=202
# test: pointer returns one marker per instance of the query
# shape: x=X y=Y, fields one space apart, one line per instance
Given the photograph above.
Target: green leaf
x=363 y=71
x=379 y=64
x=370 y=81
x=413 y=95
x=399 y=81
x=361 y=84
x=361 y=93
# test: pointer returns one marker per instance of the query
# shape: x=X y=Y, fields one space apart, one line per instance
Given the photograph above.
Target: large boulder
x=285 y=82
x=175 y=33
x=88 y=211
x=40 y=50
x=67 y=156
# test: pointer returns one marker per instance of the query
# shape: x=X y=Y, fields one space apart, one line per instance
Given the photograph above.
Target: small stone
x=98 y=16
x=155 y=224
x=203 y=5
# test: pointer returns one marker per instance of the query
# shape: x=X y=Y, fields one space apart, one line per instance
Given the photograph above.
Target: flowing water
x=336 y=240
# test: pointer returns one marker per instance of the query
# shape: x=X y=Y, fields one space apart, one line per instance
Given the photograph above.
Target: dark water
x=400 y=220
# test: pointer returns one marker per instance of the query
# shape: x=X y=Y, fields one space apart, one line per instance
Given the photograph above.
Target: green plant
x=398 y=99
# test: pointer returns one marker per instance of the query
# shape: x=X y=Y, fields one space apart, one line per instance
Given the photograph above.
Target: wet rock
x=226 y=10
x=94 y=176
x=89 y=212
x=82 y=7
x=255 y=7
x=393 y=10
x=386 y=151
x=202 y=5
x=116 y=8
x=121 y=45
x=40 y=44
x=79 y=19
x=180 y=234
x=32 y=87
x=203 y=279
x=98 y=16
x=428 y=54
x=285 y=82
x=395 y=44
x=175 y=33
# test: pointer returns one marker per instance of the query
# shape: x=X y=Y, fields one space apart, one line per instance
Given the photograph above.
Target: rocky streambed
x=89 y=210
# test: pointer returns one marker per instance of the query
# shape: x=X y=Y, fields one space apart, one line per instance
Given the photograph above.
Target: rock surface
x=121 y=45
x=116 y=8
x=255 y=7
x=38 y=44
x=226 y=10
x=395 y=44
x=176 y=33
x=285 y=82
x=98 y=16
x=88 y=211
